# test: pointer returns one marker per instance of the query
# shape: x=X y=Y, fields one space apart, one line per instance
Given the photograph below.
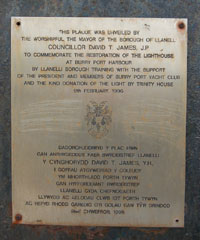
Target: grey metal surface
x=54 y=117
x=118 y=8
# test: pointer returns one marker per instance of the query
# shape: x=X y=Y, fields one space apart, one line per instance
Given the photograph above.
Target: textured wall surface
x=103 y=8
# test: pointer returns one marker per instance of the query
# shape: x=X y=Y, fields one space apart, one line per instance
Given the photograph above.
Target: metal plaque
x=98 y=121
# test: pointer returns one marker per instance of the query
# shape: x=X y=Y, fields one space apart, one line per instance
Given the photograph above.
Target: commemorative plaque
x=98 y=121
